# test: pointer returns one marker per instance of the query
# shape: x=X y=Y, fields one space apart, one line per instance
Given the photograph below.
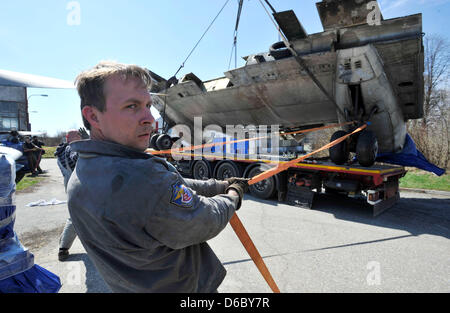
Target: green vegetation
x=27 y=182
x=49 y=152
x=424 y=180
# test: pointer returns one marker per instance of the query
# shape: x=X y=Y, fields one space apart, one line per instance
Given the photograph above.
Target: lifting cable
x=234 y=46
x=173 y=79
x=190 y=53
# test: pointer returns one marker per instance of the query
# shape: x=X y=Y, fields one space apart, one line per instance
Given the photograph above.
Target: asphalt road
x=335 y=247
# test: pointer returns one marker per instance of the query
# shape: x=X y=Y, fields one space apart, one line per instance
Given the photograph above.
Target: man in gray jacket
x=143 y=225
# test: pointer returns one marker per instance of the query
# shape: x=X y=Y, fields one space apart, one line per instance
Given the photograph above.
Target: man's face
x=127 y=119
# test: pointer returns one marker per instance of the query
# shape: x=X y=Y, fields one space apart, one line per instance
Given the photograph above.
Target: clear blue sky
x=36 y=38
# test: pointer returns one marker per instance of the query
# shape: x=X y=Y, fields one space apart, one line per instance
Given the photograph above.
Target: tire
x=227 y=170
x=367 y=148
x=201 y=170
x=153 y=140
x=279 y=51
x=164 y=142
x=339 y=153
x=264 y=189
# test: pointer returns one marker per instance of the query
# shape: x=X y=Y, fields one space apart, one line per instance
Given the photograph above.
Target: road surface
x=335 y=247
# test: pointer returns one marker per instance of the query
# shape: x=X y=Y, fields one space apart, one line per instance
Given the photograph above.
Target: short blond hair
x=90 y=83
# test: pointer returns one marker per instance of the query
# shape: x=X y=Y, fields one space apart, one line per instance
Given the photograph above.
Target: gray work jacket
x=144 y=226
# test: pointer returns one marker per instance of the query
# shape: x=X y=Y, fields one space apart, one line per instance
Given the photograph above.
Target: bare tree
x=431 y=133
x=437 y=58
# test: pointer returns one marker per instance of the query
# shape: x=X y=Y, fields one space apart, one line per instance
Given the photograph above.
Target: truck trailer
x=378 y=184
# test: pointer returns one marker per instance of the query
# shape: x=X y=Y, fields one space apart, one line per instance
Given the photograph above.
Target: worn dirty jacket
x=143 y=225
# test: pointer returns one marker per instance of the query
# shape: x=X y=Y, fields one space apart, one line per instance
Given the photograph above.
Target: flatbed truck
x=378 y=184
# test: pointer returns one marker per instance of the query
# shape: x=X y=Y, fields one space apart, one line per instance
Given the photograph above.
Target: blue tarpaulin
x=410 y=156
x=18 y=273
x=35 y=280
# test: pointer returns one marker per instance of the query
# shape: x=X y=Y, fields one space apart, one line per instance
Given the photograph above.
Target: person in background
x=66 y=160
x=38 y=154
x=29 y=150
x=14 y=136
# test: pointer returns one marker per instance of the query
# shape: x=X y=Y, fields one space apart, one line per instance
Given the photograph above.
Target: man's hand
x=233 y=193
x=239 y=186
x=233 y=180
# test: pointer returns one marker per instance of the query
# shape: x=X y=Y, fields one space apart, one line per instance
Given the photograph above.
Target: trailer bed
x=378 y=184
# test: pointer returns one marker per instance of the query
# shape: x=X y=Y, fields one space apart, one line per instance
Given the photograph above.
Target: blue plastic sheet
x=7 y=180
x=18 y=273
x=7 y=228
x=14 y=258
x=410 y=156
x=35 y=280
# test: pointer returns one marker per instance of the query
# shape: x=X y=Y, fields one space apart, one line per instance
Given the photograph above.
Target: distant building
x=13 y=97
x=14 y=109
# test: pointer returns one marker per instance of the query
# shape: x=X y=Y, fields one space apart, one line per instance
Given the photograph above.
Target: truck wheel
x=227 y=170
x=201 y=170
x=264 y=189
x=339 y=153
x=153 y=141
x=367 y=148
x=164 y=142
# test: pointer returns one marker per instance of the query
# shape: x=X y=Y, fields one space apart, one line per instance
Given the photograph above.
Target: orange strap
x=239 y=228
x=190 y=148
x=247 y=242
x=281 y=167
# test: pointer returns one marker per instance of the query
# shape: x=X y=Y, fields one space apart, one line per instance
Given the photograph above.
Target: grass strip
x=27 y=182
x=425 y=180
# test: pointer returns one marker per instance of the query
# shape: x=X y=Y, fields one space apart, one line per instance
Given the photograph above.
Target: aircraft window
x=260 y=58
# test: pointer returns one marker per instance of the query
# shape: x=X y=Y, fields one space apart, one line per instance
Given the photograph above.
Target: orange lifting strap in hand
x=239 y=229
x=236 y=223
x=247 y=242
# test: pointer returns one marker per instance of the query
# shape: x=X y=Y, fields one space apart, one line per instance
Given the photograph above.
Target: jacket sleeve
x=207 y=188
x=182 y=218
